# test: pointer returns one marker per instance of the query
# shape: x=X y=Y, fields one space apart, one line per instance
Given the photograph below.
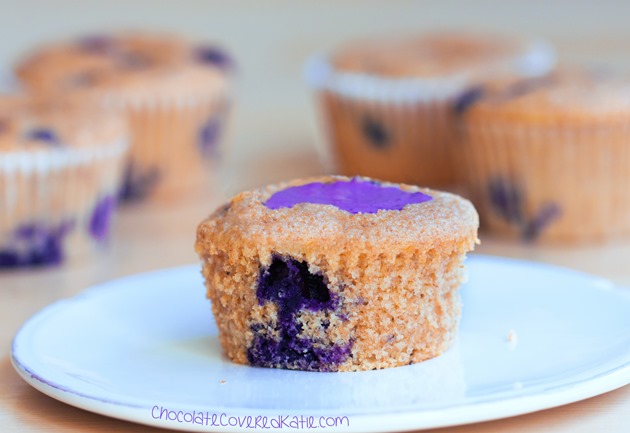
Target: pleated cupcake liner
x=55 y=203
x=403 y=129
x=561 y=182
x=175 y=141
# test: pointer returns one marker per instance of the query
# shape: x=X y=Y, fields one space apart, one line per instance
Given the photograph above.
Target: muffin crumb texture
x=315 y=287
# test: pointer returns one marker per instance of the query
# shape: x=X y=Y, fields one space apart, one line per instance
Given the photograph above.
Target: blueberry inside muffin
x=336 y=273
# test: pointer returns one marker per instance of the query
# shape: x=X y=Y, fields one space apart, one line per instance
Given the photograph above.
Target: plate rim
x=485 y=410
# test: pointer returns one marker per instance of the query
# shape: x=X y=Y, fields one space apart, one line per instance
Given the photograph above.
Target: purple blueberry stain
x=96 y=44
x=464 y=101
x=375 y=132
x=100 y=221
x=290 y=285
x=507 y=201
x=354 y=196
x=138 y=184
x=209 y=135
x=519 y=88
x=215 y=56
x=545 y=216
x=35 y=245
x=297 y=354
x=44 y=135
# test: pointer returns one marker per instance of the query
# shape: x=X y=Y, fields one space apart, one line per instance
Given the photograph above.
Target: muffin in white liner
x=390 y=107
x=336 y=274
x=549 y=159
x=60 y=169
x=175 y=95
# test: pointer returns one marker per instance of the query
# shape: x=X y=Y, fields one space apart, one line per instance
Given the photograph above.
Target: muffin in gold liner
x=389 y=106
x=174 y=94
x=549 y=159
x=336 y=274
x=60 y=168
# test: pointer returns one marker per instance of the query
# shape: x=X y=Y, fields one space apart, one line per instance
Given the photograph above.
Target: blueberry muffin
x=390 y=105
x=174 y=94
x=549 y=159
x=336 y=273
x=59 y=176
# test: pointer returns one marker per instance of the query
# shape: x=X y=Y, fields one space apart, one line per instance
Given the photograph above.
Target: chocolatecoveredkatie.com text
x=253 y=422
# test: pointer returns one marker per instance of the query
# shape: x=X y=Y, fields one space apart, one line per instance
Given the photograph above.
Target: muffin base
x=56 y=204
x=413 y=317
x=173 y=146
x=562 y=182
x=409 y=142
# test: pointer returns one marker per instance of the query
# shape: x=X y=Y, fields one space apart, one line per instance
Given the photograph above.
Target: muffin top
x=28 y=124
x=138 y=62
x=436 y=55
x=566 y=95
x=341 y=213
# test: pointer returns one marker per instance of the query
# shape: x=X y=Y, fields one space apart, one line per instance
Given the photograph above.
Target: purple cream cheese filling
x=290 y=285
x=354 y=196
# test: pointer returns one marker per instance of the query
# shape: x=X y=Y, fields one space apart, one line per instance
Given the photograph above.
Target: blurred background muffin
x=60 y=167
x=174 y=94
x=549 y=159
x=390 y=105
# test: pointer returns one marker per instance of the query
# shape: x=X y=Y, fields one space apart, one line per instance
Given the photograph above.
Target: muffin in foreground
x=390 y=106
x=174 y=94
x=336 y=273
x=60 y=168
x=549 y=159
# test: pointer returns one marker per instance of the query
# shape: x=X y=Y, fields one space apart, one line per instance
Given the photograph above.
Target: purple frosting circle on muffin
x=354 y=196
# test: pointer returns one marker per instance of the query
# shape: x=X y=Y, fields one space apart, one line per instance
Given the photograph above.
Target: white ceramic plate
x=144 y=349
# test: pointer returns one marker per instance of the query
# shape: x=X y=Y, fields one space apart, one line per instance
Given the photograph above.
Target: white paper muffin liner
x=418 y=114
x=55 y=202
x=168 y=153
x=561 y=183
x=320 y=74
